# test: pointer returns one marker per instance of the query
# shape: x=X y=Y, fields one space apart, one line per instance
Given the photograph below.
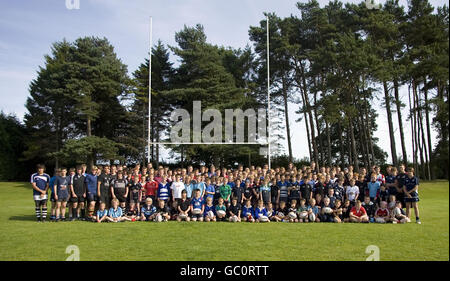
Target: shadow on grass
x=23 y=218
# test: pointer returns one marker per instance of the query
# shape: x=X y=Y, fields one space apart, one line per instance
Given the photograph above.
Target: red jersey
x=151 y=188
x=382 y=212
x=359 y=213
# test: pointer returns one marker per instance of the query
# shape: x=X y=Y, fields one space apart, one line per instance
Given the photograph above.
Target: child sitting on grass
x=247 y=212
x=102 y=213
x=115 y=213
x=261 y=212
x=221 y=210
x=302 y=211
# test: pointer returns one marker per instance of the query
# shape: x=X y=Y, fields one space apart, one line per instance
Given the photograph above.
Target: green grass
x=21 y=238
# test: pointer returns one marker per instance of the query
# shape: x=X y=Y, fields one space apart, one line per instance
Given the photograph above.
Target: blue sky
x=28 y=28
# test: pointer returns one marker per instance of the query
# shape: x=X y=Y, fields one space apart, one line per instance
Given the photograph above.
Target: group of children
x=329 y=194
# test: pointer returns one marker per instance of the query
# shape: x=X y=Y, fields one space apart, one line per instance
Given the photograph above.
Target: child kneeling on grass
x=115 y=213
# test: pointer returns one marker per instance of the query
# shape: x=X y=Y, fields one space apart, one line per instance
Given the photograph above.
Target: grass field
x=22 y=238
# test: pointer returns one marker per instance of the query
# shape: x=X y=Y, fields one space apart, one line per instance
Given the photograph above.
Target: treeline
x=333 y=62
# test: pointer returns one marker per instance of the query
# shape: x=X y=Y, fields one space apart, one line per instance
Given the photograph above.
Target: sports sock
x=38 y=212
x=74 y=212
x=83 y=213
x=44 y=213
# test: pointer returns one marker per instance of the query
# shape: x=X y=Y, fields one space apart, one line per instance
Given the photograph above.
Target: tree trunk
x=327 y=128
x=286 y=114
x=387 y=99
x=400 y=121
x=417 y=110
x=353 y=145
x=341 y=140
x=411 y=119
x=308 y=108
x=318 y=128
x=427 y=119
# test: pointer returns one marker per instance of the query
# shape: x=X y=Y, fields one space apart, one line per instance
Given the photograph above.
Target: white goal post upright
x=149 y=91
x=268 y=94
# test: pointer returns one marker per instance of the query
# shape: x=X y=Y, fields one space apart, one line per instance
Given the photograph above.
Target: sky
x=29 y=27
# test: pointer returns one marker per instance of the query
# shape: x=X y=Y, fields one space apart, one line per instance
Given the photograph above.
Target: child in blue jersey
x=102 y=213
x=148 y=211
x=197 y=206
x=52 y=194
x=209 y=211
x=411 y=191
x=247 y=212
x=164 y=190
x=261 y=212
x=201 y=185
x=209 y=189
x=313 y=211
x=115 y=213
x=270 y=211
x=40 y=183
x=374 y=187
x=91 y=196
x=264 y=191
x=61 y=188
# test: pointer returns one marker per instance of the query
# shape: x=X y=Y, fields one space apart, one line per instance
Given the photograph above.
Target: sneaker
x=43 y=220
x=63 y=219
x=418 y=222
x=38 y=220
x=394 y=222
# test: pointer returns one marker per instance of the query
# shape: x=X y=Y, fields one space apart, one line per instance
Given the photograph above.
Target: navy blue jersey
x=62 y=186
x=246 y=211
x=237 y=192
x=401 y=177
x=41 y=182
x=260 y=212
x=91 y=182
x=164 y=191
x=410 y=183
x=197 y=203
x=209 y=208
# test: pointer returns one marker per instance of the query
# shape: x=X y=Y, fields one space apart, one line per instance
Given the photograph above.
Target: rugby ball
x=183 y=216
x=263 y=219
x=327 y=210
x=158 y=218
x=303 y=215
x=292 y=215
x=221 y=212
x=211 y=214
x=234 y=218
x=196 y=211
x=280 y=214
